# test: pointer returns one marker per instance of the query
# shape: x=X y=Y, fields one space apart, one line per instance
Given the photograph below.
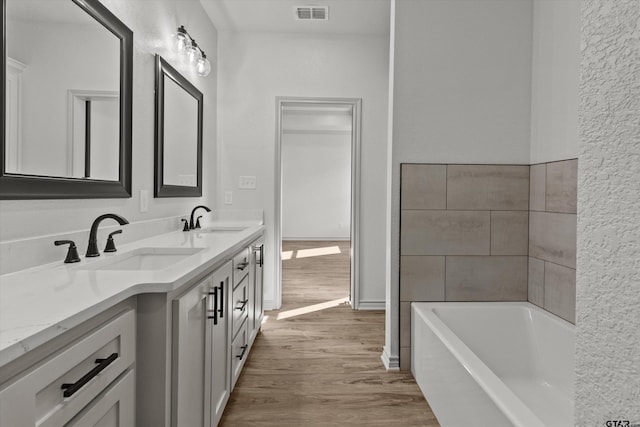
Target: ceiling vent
x=312 y=13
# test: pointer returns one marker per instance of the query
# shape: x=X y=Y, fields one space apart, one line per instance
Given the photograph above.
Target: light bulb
x=183 y=43
x=194 y=52
x=203 y=66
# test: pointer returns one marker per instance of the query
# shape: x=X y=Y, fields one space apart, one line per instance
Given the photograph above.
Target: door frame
x=356 y=105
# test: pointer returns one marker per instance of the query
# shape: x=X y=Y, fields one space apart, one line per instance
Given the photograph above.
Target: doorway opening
x=317 y=198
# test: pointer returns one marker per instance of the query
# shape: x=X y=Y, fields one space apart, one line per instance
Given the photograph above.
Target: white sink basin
x=144 y=259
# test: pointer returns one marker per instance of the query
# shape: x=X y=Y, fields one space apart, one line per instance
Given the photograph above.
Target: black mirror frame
x=163 y=68
x=25 y=187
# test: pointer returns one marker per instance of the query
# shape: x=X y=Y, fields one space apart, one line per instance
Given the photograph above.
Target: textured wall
x=608 y=257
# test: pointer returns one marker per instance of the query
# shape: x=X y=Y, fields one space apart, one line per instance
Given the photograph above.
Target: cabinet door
x=191 y=391
x=220 y=344
x=239 y=352
x=114 y=408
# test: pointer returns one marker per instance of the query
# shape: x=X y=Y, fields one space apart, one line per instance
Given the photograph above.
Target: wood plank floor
x=319 y=365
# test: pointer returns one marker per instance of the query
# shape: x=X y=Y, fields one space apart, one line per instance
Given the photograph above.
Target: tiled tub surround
x=463 y=236
x=487 y=233
x=552 y=237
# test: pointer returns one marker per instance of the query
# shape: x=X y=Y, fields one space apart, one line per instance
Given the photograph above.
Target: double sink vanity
x=155 y=334
x=151 y=334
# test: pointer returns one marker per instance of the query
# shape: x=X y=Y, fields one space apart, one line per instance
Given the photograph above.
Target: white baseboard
x=391 y=363
x=371 y=305
x=268 y=305
x=313 y=239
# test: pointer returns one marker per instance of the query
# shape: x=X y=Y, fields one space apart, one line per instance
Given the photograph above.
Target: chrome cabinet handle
x=243 y=304
x=244 y=350
x=221 y=310
x=259 y=250
x=71 y=389
x=214 y=294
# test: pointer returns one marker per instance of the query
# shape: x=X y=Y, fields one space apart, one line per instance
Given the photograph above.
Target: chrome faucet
x=192 y=224
x=92 y=249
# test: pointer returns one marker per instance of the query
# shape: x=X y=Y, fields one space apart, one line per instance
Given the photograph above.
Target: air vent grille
x=312 y=13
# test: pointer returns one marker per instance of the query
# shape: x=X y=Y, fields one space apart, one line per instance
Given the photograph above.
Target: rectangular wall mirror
x=178 y=161
x=67 y=77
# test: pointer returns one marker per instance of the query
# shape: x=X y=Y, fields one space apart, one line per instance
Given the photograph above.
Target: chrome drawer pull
x=244 y=350
x=70 y=389
x=243 y=304
x=259 y=249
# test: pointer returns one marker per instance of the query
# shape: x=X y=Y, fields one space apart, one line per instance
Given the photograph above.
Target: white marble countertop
x=38 y=304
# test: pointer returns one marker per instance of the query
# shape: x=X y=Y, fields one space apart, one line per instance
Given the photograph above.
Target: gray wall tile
x=490 y=187
x=560 y=291
x=537 y=187
x=536 y=281
x=421 y=278
x=405 y=358
x=562 y=186
x=444 y=233
x=509 y=233
x=486 y=278
x=552 y=237
x=423 y=187
x=405 y=324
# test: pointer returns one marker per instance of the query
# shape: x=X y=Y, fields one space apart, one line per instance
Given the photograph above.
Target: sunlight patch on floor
x=307 y=253
x=329 y=250
x=311 y=308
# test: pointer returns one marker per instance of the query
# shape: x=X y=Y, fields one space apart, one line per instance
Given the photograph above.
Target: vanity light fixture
x=187 y=45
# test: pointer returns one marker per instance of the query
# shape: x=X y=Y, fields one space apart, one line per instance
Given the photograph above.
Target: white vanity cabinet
x=195 y=340
x=89 y=382
x=201 y=352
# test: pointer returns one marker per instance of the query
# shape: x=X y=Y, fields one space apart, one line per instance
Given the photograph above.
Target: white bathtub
x=493 y=364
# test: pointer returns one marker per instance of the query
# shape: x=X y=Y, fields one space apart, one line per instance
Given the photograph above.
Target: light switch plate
x=228 y=198
x=247 y=183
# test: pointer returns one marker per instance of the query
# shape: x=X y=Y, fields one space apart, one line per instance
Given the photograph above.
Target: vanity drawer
x=239 y=353
x=240 y=305
x=91 y=365
x=114 y=407
x=240 y=266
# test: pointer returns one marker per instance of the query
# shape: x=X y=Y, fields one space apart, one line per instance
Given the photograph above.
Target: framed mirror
x=67 y=88
x=178 y=153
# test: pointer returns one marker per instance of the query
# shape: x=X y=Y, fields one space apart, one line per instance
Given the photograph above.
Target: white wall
x=555 y=80
x=461 y=84
x=254 y=69
x=316 y=186
x=152 y=24
x=608 y=258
